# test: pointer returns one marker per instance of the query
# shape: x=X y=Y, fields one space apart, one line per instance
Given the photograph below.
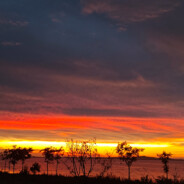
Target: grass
x=6 y=178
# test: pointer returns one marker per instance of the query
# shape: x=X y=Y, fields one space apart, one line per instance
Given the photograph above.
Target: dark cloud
x=129 y=11
x=116 y=112
x=13 y=22
x=6 y=43
x=56 y=60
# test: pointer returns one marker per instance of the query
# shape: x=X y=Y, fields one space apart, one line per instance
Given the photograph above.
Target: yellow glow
x=34 y=144
x=40 y=144
x=151 y=149
x=154 y=145
x=150 y=145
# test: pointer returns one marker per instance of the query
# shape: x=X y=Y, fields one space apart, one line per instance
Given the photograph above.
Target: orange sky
x=155 y=135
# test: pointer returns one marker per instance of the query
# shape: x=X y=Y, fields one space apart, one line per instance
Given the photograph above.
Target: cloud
x=6 y=43
x=170 y=44
x=45 y=91
x=13 y=22
x=111 y=112
x=60 y=127
x=13 y=134
x=57 y=17
x=129 y=11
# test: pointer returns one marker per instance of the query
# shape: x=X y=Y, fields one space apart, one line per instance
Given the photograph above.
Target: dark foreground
x=6 y=178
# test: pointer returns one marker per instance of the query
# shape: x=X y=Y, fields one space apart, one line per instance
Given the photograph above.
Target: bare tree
x=81 y=153
x=48 y=155
x=164 y=157
x=35 y=168
x=128 y=154
x=58 y=154
x=106 y=163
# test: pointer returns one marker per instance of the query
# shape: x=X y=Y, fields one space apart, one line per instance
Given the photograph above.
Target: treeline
x=80 y=158
x=15 y=154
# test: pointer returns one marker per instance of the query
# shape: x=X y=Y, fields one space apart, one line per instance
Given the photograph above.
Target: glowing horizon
x=150 y=149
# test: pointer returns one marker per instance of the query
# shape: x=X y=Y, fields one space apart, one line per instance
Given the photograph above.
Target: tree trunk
x=84 y=169
x=5 y=166
x=9 y=166
x=74 y=167
x=13 y=168
x=22 y=165
x=47 y=168
x=128 y=172
x=56 y=168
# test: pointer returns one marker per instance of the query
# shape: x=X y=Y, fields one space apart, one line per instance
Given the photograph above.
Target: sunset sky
x=110 y=69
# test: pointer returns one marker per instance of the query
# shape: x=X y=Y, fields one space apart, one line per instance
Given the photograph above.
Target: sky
x=109 y=69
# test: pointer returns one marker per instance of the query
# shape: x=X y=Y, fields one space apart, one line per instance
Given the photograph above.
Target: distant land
x=140 y=158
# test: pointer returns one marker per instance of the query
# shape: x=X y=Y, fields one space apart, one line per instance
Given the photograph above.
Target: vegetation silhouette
x=14 y=156
x=83 y=156
x=164 y=157
x=80 y=153
x=35 y=168
x=58 y=154
x=48 y=154
x=24 y=154
x=24 y=171
x=5 y=157
x=106 y=164
x=6 y=178
x=128 y=154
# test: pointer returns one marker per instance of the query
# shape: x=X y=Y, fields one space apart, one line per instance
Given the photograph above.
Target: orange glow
x=66 y=127
x=26 y=121
x=151 y=149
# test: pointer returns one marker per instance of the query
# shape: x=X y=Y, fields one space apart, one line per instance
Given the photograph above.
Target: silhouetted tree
x=106 y=164
x=5 y=157
x=128 y=154
x=24 y=154
x=24 y=171
x=58 y=154
x=164 y=157
x=14 y=156
x=81 y=153
x=35 y=168
x=48 y=154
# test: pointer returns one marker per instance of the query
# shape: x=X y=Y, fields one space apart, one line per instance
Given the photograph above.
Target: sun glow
x=33 y=144
x=150 y=149
x=154 y=145
x=40 y=144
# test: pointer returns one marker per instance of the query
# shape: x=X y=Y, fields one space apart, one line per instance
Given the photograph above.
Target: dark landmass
x=148 y=158
x=140 y=158
x=155 y=158
x=6 y=178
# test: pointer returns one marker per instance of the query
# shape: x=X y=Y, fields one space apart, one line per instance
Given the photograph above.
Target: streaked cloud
x=125 y=12
x=6 y=43
x=13 y=22
x=57 y=17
